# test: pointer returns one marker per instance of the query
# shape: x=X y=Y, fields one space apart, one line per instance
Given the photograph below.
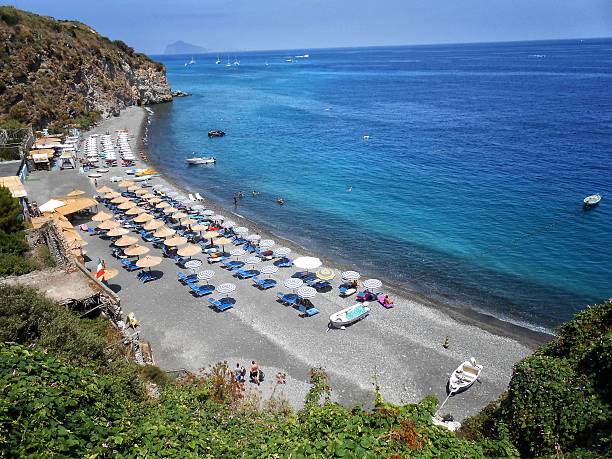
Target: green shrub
x=14 y=265
x=9 y=16
x=11 y=216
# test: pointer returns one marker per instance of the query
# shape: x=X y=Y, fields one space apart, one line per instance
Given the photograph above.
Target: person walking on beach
x=254 y=373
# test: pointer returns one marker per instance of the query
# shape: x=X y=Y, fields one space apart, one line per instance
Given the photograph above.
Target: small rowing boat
x=349 y=316
x=201 y=160
x=592 y=201
x=464 y=376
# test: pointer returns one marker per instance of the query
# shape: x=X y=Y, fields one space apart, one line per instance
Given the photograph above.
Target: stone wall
x=50 y=234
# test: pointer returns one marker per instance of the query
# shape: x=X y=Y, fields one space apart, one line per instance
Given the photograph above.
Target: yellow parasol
x=108 y=224
x=148 y=261
x=153 y=225
x=118 y=232
x=175 y=241
x=189 y=250
x=143 y=218
x=101 y=216
x=164 y=231
x=136 y=250
x=126 y=241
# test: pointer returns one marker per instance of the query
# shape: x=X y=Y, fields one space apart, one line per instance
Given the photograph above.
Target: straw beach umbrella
x=116 y=232
x=164 y=231
x=175 y=241
x=141 y=192
x=104 y=190
x=76 y=192
x=125 y=184
x=148 y=196
x=222 y=241
x=170 y=210
x=153 y=225
x=149 y=262
x=199 y=228
x=188 y=222
x=109 y=273
x=108 y=224
x=143 y=218
x=111 y=195
x=101 y=216
x=179 y=215
x=126 y=241
x=135 y=211
x=189 y=250
x=154 y=201
x=126 y=205
x=136 y=250
x=119 y=200
x=162 y=205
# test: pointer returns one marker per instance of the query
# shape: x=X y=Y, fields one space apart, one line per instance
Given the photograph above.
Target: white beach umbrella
x=350 y=275
x=226 y=289
x=193 y=264
x=294 y=283
x=241 y=230
x=237 y=252
x=282 y=251
x=206 y=275
x=371 y=284
x=269 y=269
x=207 y=212
x=198 y=207
x=252 y=261
x=228 y=224
x=253 y=237
x=307 y=263
x=266 y=244
x=305 y=292
x=217 y=218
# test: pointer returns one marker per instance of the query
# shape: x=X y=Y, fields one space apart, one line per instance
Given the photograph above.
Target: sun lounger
x=301 y=274
x=284 y=262
x=263 y=284
x=316 y=283
x=241 y=274
x=346 y=291
x=146 y=276
x=233 y=264
x=199 y=197
x=289 y=299
x=308 y=312
x=239 y=241
x=184 y=278
x=365 y=296
x=381 y=300
x=221 y=305
x=212 y=259
x=130 y=265
x=201 y=290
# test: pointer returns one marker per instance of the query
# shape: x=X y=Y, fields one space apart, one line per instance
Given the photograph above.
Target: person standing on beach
x=254 y=373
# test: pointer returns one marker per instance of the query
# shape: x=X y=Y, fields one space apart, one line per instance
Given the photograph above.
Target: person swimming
x=349 y=188
x=280 y=201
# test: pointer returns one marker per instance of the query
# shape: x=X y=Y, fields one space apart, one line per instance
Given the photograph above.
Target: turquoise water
x=469 y=188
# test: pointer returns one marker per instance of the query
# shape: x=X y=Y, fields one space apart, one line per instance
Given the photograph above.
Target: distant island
x=181 y=47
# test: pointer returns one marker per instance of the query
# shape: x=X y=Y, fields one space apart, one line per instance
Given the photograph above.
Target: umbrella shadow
x=115 y=288
x=157 y=274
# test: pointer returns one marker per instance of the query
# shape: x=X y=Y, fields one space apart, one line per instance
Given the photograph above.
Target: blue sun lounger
x=308 y=312
x=241 y=274
x=289 y=299
x=185 y=278
x=233 y=264
x=284 y=262
x=130 y=265
x=201 y=290
x=145 y=276
x=263 y=284
x=221 y=305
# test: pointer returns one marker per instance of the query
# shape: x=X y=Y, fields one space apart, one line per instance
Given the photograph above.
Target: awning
x=40 y=158
x=13 y=183
x=76 y=205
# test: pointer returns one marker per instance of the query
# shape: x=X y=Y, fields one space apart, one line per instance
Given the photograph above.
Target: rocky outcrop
x=179 y=93
x=61 y=72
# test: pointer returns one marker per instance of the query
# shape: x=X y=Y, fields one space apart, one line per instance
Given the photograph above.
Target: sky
x=234 y=25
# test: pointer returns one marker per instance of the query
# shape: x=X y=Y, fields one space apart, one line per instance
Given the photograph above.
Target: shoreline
x=531 y=338
x=401 y=348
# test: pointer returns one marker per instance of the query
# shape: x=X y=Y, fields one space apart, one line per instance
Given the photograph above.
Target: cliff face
x=58 y=72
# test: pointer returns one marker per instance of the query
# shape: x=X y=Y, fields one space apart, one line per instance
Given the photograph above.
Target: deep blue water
x=469 y=188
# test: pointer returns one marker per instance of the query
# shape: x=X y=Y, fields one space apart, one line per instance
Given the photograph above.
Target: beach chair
x=284 y=262
x=199 y=197
x=238 y=241
x=346 y=291
x=212 y=260
x=308 y=312
x=232 y=265
x=221 y=305
x=289 y=299
x=365 y=296
x=263 y=284
x=200 y=290
x=146 y=276
x=241 y=274
x=184 y=278
x=301 y=274
x=381 y=299
x=130 y=265
x=316 y=283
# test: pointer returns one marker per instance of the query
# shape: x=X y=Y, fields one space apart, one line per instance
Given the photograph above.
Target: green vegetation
x=559 y=399
x=13 y=246
x=65 y=392
x=54 y=72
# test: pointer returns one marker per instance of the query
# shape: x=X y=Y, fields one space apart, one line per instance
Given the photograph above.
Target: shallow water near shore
x=468 y=189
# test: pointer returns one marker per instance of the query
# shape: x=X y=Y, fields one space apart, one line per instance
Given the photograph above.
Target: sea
x=454 y=171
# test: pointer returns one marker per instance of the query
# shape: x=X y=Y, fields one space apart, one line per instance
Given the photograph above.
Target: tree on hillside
x=10 y=212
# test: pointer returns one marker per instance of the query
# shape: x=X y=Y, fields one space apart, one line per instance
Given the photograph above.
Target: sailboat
x=228 y=62
x=218 y=61
x=236 y=61
x=191 y=62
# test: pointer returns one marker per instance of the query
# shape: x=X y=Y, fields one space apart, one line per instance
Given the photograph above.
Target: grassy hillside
x=64 y=72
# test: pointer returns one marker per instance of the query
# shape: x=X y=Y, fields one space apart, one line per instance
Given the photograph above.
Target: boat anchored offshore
x=201 y=160
x=592 y=201
x=464 y=376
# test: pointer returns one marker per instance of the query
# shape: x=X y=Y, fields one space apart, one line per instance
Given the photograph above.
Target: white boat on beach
x=464 y=376
x=348 y=316
x=201 y=160
x=592 y=201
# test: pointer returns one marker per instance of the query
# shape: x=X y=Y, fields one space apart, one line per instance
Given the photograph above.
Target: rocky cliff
x=63 y=72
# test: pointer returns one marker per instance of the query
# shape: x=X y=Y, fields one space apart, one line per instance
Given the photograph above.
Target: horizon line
x=378 y=46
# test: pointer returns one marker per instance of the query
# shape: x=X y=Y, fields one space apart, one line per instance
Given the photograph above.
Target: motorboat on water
x=349 y=316
x=464 y=376
x=592 y=201
x=201 y=160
